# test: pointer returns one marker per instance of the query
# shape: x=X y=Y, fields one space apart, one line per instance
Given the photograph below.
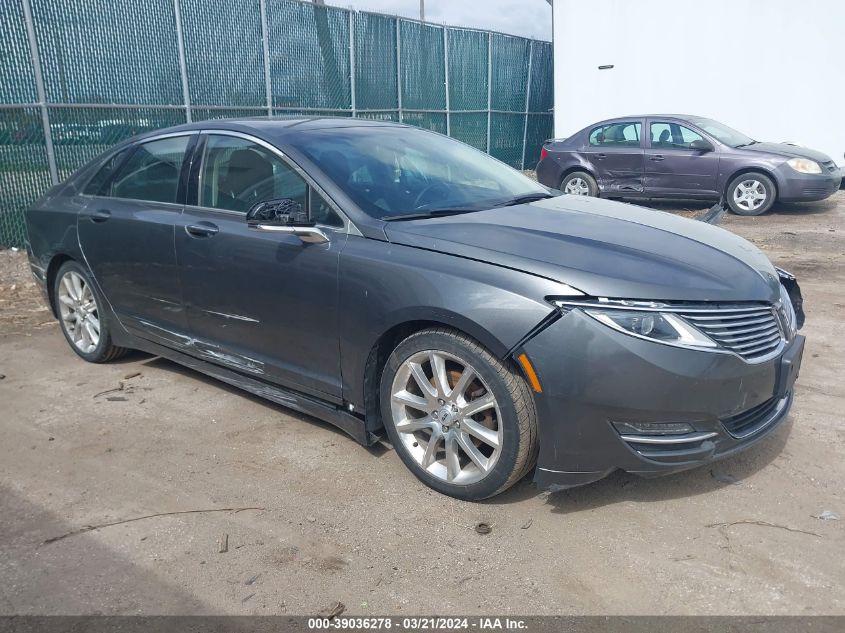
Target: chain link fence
x=77 y=76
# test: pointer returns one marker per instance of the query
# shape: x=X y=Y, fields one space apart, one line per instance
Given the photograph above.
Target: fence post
x=265 y=40
x=398 y=70
x=354 y=102
x=446 y=73
x=489 y=86
x=527 y=101
x=183 y=66
x=41 y=93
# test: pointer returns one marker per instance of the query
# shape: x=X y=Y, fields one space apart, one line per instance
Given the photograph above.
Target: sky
x=528 y=18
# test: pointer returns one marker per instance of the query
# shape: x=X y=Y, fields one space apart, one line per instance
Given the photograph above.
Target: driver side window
x=237 y=173
x=672 y=136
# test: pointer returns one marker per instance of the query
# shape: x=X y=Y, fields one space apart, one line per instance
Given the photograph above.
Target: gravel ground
x=314 y=518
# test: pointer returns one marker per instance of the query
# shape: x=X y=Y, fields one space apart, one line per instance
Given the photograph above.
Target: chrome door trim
x=308 y=234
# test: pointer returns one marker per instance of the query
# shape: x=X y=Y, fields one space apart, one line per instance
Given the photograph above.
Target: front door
x=263 y=303
x=673 y=167
x=126 y=233
x=616 y=155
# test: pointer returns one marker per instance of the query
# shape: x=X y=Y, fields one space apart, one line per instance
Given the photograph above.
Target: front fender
x=383 y=285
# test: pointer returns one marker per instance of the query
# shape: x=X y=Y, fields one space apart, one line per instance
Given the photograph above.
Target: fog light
x=653 y=428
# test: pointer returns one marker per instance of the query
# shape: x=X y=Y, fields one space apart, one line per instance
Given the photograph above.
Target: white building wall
x=774 y=69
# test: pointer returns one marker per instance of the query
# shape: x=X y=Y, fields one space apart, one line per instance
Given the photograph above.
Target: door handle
x=201 y=229
x=657 y=157
x=601 y=156
x=101 y=215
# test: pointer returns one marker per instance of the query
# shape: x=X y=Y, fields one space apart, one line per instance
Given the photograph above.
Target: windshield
x=397 y=171
x=723 y=133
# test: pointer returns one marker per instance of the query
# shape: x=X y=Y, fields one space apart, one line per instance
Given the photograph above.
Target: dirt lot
x=331 y=521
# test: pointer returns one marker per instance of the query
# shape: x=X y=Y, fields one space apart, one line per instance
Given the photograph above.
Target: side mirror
x=701 y=145
x=281 y=212
x=285 y=215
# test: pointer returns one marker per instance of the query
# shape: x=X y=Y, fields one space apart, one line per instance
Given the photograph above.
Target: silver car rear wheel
x=79 y=312
x=577 y=187
x=579 y=183
x=83 y=314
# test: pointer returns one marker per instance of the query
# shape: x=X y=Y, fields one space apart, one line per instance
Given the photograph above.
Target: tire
x=88 y=335
x=579 y=181
x=508 y=426
x=751 y=193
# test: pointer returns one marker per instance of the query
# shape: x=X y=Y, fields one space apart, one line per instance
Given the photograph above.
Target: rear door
x=126 y=233
x=616 y=153
x=263 y=303
x=673 y=168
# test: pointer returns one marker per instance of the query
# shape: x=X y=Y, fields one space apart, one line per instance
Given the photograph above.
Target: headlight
x=652 y=324
x=787 y=314
x=804 y=165
x=662 y=327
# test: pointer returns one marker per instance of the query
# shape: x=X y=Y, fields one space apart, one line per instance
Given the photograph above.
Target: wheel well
x=50 y=277
x=376 y=360
x=572 y=170
x=749 y=170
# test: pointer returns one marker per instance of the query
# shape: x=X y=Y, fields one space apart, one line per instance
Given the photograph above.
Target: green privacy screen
x=110 y=69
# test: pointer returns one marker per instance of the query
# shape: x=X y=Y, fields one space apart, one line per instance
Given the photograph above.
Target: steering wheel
x=422 y=198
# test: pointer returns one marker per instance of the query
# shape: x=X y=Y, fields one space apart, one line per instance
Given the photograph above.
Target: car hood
x=604 y=249
x=788 y=151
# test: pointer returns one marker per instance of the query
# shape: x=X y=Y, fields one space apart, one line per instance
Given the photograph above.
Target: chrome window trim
x=348 y=226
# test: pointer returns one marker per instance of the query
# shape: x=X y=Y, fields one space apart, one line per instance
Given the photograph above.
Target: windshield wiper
x=746 y=144
x=426 y=214
x=531 y=197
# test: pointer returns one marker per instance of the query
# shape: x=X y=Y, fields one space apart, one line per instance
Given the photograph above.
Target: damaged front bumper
x=599 y=384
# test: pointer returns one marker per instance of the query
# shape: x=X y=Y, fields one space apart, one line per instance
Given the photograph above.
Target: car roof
x=272 y=128
x=680 y=117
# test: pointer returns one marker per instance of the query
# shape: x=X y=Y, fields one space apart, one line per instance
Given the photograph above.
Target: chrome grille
x=829 y=165
x=751 y=332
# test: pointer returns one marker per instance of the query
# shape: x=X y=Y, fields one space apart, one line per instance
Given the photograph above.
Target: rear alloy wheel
x=80 y=315
x=579 y=183
x=462 y=421
x=751 y=194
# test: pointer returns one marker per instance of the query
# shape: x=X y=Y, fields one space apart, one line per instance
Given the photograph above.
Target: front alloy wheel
x=751 y=194
x=461 y=420
x=446 y=417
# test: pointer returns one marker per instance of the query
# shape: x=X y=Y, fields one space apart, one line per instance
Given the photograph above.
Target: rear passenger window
x=625 y=134
x=96 y=185
x=151 y=172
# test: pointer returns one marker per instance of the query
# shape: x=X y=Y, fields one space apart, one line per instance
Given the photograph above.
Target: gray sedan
x=679 y=156
x=397 y=283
